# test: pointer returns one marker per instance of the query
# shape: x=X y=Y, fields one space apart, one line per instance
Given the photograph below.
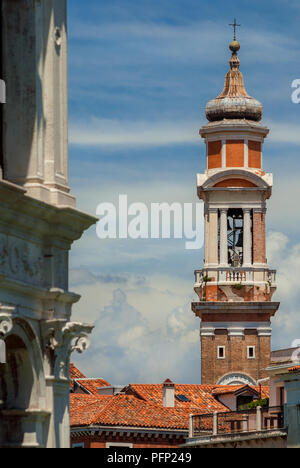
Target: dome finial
x=234 y=102
x=234 y=45
x=235 y=25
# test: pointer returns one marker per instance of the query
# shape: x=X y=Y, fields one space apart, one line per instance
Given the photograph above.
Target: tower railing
x=233 y=275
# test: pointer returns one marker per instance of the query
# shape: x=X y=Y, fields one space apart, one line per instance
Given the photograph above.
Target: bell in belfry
x=236 y=260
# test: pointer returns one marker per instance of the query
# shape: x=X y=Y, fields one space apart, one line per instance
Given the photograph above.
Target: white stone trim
x=207 y=331
x=223 y=238
x=224 y=153
x=246 y=153
x=246 y=325
x=248 y=352
x=234 y=377
x=224 y=352
x=236 y=136
x=236 y=331
x=267 y=331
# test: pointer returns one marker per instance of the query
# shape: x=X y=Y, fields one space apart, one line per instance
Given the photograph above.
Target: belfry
x=235 y=286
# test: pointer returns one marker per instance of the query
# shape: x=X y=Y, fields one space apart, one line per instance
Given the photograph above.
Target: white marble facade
x=38 y=224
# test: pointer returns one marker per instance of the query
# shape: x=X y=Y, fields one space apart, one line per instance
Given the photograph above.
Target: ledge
x=238 y=437
x=234 y=307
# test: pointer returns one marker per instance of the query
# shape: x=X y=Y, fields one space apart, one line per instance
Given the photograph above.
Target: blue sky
x=140 y=74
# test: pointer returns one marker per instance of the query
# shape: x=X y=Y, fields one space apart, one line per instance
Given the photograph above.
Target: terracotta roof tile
x=229 y=389
x=83 y=408
x=75 y=373
x=226 y=389
x=141 y=405
x=92 y=385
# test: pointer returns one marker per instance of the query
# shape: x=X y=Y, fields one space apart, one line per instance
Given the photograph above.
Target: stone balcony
x=235 y=284
x=234 y=275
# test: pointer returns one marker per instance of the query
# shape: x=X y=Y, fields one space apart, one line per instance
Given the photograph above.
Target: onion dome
x=234 y=102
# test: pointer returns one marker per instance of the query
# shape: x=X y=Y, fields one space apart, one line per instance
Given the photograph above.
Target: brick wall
x=235 y=183
x=235 y=153
x=235 y=356
x=214 y=154
x=254 y=154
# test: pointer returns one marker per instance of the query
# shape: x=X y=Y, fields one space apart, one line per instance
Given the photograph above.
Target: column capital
x=61 y=338
x=261 y=210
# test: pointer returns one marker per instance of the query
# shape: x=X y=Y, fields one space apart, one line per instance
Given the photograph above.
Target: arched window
x=16 y=377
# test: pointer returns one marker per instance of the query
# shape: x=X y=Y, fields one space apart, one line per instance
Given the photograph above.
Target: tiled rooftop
x=141 y=405
x=75 y=373
x=89 y=386
x=230 y=389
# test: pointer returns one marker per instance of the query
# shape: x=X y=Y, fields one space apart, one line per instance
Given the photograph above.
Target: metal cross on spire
x=235 y=25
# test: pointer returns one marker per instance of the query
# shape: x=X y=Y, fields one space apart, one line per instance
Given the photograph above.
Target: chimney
x=169 y=394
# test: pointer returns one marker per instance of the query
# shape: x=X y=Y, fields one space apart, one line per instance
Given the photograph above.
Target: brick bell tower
x=235 y=286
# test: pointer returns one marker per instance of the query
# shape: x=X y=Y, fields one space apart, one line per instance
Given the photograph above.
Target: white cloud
x=285 y=256
x=142 y=334
x=184 y=42
x=117 y=133
x=113 y=133
x=147 y=332
x=284 y=132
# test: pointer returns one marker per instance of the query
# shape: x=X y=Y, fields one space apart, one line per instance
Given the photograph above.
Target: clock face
x=236 y=379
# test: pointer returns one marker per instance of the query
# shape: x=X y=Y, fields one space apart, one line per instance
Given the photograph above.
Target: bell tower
x=235 y=286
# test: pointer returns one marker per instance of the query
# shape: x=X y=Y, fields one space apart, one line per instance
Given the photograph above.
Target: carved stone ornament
x=6 y=324
x=61 y=338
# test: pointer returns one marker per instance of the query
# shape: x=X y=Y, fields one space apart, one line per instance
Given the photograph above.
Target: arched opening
x=16 y=377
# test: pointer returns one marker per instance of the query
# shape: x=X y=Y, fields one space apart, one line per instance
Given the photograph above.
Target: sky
x=140 y=75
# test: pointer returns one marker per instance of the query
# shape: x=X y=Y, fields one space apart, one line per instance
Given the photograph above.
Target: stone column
x=258 y=419
x=247 y=243
x=34 y=42
x=191 y=426
x=223 y=238
x=215 y=423
x=212 y=238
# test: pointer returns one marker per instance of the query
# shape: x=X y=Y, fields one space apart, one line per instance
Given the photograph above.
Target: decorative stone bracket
x=6 y=324
x=61 y=338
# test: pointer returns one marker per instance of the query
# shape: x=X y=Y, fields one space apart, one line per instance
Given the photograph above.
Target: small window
x=182 y=398
x=251 y=352
x=221 y=352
